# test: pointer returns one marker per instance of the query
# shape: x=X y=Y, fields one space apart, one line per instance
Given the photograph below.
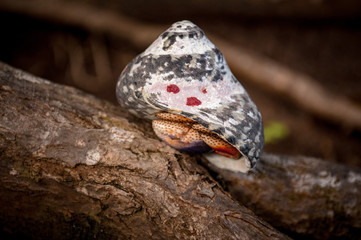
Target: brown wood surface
x=76 y=167
x=311 y=197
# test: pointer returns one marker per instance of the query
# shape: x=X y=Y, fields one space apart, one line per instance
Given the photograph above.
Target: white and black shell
x=182 y=72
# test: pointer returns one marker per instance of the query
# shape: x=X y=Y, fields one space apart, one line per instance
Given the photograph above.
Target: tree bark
x=74 y=167
x=305 y=197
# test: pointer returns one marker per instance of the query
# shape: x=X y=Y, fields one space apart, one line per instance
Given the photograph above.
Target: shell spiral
x=182 y=72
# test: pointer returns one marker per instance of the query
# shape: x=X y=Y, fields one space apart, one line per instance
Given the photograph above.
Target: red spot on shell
x=173 y=88
x=204 y=91
x=193 y=101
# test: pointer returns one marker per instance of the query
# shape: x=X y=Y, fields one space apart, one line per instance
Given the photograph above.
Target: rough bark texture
x=301 y=195
x=73 y=167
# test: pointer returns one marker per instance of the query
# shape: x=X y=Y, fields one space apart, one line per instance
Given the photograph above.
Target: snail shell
x=182 y=72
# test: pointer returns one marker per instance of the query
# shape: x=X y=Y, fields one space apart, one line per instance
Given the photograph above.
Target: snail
x=183 y=84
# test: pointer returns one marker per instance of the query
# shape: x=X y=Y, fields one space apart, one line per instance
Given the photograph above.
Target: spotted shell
x=182 y=72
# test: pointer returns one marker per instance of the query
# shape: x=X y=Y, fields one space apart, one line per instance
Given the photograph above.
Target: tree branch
x=72 y=166
x=314 y=198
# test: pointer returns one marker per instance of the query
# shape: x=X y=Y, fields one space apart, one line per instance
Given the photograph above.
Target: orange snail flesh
x=187 y=135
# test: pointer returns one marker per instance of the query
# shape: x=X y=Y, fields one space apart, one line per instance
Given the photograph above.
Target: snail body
x=183 y=83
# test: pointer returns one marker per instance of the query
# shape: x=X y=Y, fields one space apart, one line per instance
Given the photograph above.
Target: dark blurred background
x=316 y=37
